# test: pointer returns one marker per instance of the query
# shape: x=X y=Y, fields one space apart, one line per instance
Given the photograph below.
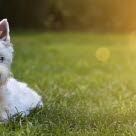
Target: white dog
x=14 y=96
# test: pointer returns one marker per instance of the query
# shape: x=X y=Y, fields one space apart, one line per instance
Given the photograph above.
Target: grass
x=82 y=95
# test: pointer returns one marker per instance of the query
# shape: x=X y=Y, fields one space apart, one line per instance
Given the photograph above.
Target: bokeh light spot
x=103 y=54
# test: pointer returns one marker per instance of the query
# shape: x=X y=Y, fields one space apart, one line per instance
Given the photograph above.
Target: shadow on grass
x=53 y=119
x=57 y=119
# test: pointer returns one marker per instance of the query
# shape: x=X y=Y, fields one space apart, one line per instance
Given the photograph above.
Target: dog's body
x=14 y=96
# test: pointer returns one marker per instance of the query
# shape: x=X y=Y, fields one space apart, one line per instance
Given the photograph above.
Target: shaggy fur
x=14 y=96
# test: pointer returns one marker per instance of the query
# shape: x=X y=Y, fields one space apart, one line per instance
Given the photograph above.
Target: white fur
x=15 y=96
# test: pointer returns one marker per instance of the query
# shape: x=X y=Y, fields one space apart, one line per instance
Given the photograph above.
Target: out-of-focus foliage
x=94 y=15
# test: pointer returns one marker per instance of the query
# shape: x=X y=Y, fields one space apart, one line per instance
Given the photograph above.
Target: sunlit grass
x=82 y=94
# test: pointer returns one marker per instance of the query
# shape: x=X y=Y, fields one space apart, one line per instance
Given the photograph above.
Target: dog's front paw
x=3 y=115
x=3 y=118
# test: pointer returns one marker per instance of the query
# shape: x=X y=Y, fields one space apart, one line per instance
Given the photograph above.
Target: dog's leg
x=4 y=111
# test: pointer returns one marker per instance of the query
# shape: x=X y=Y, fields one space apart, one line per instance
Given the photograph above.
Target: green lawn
x=82 y=95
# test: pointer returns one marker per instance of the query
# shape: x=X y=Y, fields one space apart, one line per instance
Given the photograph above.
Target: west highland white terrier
x=14 y=96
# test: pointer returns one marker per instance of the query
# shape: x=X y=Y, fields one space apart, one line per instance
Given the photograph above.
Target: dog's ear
x=4 y=30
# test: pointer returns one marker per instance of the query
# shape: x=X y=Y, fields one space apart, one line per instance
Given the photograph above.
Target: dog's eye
x=1 y=59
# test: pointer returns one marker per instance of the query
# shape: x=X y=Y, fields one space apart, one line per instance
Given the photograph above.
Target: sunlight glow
x=132 y=41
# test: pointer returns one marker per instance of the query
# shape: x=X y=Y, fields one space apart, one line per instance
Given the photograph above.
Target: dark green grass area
x=81 y=95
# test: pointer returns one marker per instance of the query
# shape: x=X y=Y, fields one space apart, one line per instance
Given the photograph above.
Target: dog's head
x=6 y=51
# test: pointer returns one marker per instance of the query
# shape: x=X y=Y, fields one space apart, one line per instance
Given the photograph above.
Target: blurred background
x=80 y=56
x=69 y=15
